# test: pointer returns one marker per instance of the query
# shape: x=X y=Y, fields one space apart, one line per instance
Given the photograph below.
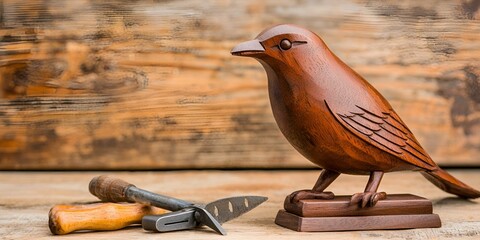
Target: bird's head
x=283 y=46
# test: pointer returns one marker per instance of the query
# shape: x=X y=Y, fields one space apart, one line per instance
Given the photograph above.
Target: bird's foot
x=309 y=194
x=367 y=199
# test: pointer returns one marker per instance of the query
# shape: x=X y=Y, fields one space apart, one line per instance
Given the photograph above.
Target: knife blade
x=221 y=211
x=226 y=209
x=185 y=214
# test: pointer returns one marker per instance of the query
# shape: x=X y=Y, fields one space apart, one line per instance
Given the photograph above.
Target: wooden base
x=398 y=211
x=329 y=224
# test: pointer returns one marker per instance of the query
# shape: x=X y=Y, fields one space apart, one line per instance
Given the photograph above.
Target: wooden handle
x=65 y=219
x=109 y=189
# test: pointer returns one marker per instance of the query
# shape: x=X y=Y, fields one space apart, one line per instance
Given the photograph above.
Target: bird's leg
x=370 y=196
x=323 y=181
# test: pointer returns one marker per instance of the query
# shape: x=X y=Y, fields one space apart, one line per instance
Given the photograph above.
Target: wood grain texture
x=151 y=85
x=394 y=204
x=397 y=211
x=64 y=219
x=109 y=189
x=24 y=209
x=356 y=223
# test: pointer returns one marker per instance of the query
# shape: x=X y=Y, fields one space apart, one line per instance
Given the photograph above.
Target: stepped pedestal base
x=398 y=211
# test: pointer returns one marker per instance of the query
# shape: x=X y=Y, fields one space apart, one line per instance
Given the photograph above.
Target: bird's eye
x=285 y=44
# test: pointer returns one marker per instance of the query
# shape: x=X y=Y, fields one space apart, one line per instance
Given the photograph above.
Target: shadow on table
x=452 y=201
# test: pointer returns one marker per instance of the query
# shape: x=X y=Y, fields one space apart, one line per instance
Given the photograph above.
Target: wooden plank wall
x=151 y=84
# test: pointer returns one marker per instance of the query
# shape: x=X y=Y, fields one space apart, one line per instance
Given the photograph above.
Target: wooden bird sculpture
x=335 y=118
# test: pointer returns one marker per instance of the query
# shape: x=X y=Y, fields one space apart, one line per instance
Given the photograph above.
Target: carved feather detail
x=385 y=131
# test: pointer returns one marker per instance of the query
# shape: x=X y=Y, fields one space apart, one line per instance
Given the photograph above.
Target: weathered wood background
x=151 y=84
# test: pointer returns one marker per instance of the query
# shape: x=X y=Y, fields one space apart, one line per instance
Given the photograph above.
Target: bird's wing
x=385 y=131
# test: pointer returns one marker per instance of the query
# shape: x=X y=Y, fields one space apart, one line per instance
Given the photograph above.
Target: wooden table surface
x=26 y=197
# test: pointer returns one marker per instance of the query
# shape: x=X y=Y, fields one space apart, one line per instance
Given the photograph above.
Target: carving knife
x=184 y=215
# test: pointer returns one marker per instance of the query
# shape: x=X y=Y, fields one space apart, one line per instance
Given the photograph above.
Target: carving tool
x=184 y=215
x=63 y=219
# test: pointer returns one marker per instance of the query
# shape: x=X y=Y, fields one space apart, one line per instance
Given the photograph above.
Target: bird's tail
x=450 y=184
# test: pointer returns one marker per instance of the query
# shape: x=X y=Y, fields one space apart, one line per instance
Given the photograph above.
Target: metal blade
x=226 y=209
x=180 y=220
x=204 y=217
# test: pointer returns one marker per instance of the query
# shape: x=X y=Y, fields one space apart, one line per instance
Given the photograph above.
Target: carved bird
x=335 y=118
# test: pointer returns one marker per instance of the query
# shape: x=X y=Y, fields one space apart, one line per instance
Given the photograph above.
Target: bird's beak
x=248 y=48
